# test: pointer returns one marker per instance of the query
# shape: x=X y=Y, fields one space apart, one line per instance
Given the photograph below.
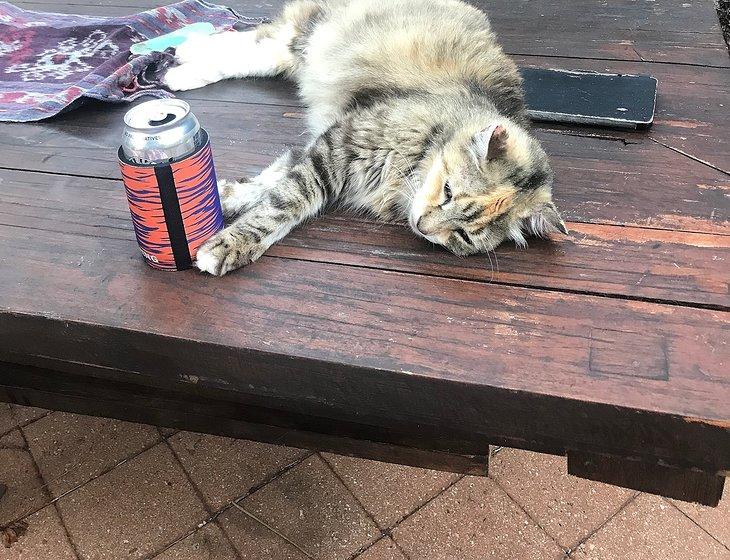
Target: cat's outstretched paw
x=187 y=76
x=228 y=250
x=194 y=49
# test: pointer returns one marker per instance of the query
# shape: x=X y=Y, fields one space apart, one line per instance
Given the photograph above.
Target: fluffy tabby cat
x=415 y=113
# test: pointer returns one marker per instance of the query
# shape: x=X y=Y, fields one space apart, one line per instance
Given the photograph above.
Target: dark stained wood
x=598 y=180
x=392 y=348
x=667 y=31
x=690 y=115
x=691 y=107
x=358 y=338
x=185 y=410
x=653 y=264
x=681 y=484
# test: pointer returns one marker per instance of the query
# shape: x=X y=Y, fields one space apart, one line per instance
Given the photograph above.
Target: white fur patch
x=515 y=233
x=206 y=261
x=209 y=59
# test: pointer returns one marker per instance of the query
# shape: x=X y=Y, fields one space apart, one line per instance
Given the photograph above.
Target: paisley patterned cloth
x=51 y=62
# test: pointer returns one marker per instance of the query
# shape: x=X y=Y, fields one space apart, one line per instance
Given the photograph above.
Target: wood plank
x=667 y=31
x=187 y=411
x=527 y=368
x=628 y=262
x=597 y=180
x=691 y=106
x=624 y=261
x=681 y=484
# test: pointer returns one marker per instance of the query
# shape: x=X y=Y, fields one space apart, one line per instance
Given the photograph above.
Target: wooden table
x=610 y=345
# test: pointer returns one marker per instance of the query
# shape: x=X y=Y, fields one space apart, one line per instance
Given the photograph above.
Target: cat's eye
x=447 y=193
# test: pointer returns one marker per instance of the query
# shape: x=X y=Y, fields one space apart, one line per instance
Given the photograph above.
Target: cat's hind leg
x=269 y=50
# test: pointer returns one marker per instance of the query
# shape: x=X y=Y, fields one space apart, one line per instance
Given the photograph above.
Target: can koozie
x=175 y=206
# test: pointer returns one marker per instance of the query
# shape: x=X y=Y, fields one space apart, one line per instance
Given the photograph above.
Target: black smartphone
x=566 y=96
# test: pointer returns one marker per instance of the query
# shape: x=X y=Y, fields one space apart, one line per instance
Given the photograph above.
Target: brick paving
x=96 y=489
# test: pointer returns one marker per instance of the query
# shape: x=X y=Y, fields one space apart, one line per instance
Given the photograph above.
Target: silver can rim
x=179 y=103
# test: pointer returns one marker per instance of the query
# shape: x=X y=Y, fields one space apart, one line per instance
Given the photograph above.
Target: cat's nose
x=418 y=225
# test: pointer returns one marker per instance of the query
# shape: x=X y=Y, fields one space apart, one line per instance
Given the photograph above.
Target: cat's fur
x=415 y=112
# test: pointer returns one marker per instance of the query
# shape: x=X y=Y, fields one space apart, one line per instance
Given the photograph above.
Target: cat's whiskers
x=411 y=186
x=491 y=265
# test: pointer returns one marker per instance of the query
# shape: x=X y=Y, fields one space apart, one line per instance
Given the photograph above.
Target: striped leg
x=301 y=191
x=239 y=196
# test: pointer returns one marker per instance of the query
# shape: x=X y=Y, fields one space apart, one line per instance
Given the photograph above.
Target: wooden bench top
x=609 y=343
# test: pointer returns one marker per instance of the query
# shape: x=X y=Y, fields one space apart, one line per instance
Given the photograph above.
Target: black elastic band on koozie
x=173 y=217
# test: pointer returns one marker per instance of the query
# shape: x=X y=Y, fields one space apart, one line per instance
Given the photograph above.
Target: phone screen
x=619 y=100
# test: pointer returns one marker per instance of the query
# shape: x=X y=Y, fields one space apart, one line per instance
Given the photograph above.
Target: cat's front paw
x=186 y=76
x=194 y=49
x=228 y=250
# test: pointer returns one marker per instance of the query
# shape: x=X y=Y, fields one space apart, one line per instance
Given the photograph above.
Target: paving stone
x=253 y=541
x=25 y=414
x=13 y=439
x=11 y=416
x=25 y=491
x=389 y=492
x=70 y=449
x=474 y=520
x=44 y=539
x=208 y=543
x=167 y=432
x=225 y=468
x=7 y=422
x=134 y=510
x=567 y=507
x=384 y=549
x=312 y=508
x=715 y=521
x=650 y=528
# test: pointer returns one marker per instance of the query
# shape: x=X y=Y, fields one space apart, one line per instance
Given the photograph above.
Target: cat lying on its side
x=415 y=113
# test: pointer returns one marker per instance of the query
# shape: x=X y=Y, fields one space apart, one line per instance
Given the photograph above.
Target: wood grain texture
x=356 y=337
x=598 y=180
x=630 y=262
x=655 y=264
x=378 y=346
x=674 y=266
x=185 y=410
x=667 y=31
x=691 y=108
x=681 y=484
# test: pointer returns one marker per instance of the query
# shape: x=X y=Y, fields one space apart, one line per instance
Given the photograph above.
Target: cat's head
x=486 y=184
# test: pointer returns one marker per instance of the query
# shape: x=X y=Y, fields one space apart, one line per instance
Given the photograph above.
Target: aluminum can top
x=159 y=131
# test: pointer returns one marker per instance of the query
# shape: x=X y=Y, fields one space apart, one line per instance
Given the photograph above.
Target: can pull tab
x=169 y=117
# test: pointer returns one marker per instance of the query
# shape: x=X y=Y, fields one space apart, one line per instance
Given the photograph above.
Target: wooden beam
x=187 y=411
x=689 y=485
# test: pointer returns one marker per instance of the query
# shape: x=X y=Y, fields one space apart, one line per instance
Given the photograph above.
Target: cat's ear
x=545 y=220
x=491 y=143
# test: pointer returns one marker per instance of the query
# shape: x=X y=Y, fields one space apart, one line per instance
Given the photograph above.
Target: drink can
x=169 y=177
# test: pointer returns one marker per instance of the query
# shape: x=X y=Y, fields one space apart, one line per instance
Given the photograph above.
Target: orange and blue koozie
x=175 y=206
